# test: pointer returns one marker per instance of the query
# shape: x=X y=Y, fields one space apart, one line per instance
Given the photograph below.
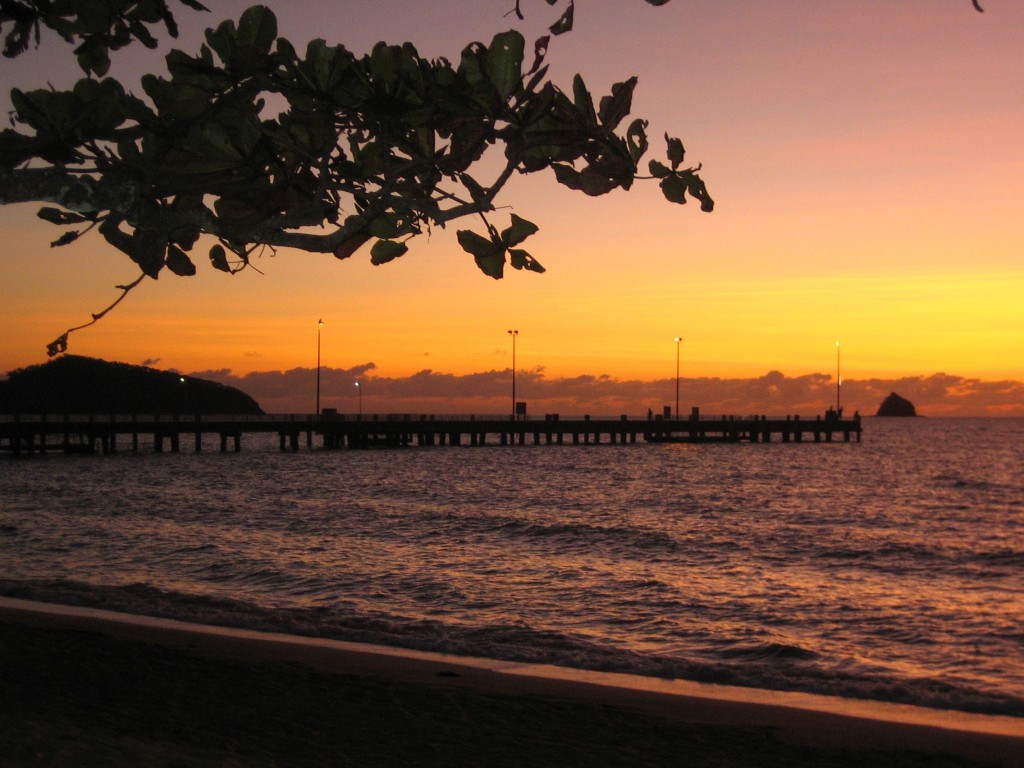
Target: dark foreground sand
x=83 y=688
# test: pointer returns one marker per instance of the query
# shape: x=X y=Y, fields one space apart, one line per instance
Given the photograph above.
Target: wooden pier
x=108 y=434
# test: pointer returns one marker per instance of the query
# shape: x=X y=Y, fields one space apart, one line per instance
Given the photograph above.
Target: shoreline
x=553 y=713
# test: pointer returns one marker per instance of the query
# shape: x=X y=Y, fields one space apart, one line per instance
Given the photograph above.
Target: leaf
x=15 y=148
x=616 y=107
x=674 y=189
x=595 y=183
x=697 y=189
x=566 y=175
x=470 y=66
x=57 y=346
x=675 y=151
x=257 y=28
x=92 y=57
x=540 y=50
x=584 y=101
x=384 y=251
x=57 y=216
x=476 y=191
x=214 y=145
x=519 y=231
x=219 y=258
x=384 y=63
x=54 y=116
x=147 y=250
x=636 y=137
x=489 y=256
x=589 y=181
x=388 y=226
x=658 y=170
x=179 y=263
x=67 y=237
x=325 y=65
x=222 y=40
x=564 y=24
x=103 y=105
x=520 y=259
x=536 y=79
x=142 y=34
x=505 y=62
x=182 y=101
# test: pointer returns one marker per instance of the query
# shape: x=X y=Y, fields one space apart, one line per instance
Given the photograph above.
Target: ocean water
x=891 y=569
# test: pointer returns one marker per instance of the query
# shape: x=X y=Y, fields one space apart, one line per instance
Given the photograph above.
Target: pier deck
x=113 y=433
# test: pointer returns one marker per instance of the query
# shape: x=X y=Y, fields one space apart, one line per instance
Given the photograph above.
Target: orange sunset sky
x=867 y=162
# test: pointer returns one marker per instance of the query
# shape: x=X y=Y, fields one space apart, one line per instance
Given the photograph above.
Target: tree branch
x=60 y=344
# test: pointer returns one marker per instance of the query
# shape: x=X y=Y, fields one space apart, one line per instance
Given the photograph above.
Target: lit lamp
x=359 y=389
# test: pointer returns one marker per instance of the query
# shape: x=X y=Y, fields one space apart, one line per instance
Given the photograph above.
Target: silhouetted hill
x=894 y=405
x=85 y=385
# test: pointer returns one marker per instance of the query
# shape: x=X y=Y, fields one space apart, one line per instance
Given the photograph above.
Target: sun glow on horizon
x=868 y=199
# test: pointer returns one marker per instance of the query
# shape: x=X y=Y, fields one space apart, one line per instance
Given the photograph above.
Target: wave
x=766 y=665
x=1005 y=558
x=592 y=536
x=771 y=650
x=973 y=562
x=559 y=534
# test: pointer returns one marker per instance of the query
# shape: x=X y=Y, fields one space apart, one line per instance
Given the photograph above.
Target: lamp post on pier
x=513 y=334
x=839 y=384
x=677 y=340
x=359 y=390
x=319 y=325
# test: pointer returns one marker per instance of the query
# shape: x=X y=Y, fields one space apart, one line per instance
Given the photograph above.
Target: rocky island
x=894 y=405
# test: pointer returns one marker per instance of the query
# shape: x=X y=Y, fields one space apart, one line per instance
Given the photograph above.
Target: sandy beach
x=88 y=687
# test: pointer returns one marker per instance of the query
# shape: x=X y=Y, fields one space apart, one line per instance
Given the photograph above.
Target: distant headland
x=86 y=385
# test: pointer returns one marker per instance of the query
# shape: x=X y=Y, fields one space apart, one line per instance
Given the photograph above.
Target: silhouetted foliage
x=83 y=385
x=257 y=144
x=95 y=28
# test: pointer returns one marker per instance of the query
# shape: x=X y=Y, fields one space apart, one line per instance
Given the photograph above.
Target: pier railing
x=109 y=433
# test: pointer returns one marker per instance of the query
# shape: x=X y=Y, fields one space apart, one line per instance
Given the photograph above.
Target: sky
x=867 y=163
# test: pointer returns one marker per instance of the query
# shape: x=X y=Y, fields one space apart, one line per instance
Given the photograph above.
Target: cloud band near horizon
x=490 y=392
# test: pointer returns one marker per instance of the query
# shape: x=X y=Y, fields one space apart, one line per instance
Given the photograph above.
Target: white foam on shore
x=997 y=725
